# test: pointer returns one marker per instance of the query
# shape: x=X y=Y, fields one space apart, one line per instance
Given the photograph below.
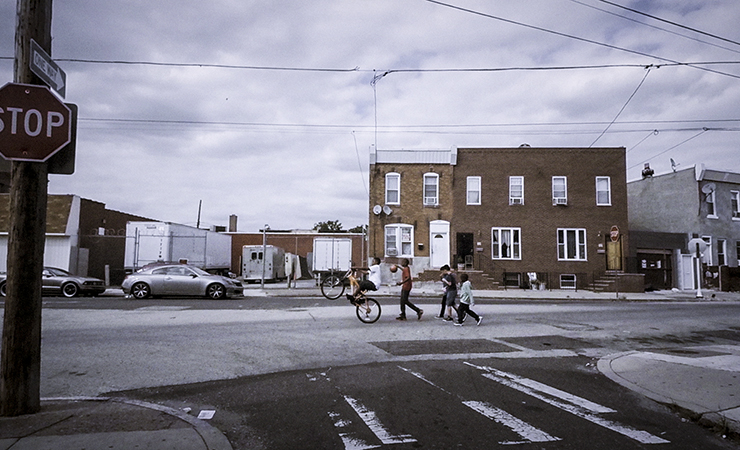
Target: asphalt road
x=305 y=373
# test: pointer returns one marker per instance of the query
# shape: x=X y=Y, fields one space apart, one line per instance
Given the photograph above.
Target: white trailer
x=332 y=255
x=254 y=262
x=148 y=242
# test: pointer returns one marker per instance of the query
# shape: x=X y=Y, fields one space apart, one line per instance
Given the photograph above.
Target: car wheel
x=140 y=290
x=70 y=290
x=3 y=292
x=216 y=291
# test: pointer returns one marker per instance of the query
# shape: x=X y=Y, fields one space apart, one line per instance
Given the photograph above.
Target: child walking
x=466 y=301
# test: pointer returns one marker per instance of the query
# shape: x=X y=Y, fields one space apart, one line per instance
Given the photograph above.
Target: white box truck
x=253 y=262
x=148 y=242
x=332 y=255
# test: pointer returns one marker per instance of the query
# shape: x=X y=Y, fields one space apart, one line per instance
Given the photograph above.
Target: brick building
x=508 y=212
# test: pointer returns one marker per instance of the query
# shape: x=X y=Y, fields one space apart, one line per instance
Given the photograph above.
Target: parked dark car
x=179 y=280
x=56 y=281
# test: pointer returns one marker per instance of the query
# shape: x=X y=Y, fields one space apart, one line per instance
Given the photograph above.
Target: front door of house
x=439 y=243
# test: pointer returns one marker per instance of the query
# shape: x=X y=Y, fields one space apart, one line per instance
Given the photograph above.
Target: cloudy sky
x=265 y=109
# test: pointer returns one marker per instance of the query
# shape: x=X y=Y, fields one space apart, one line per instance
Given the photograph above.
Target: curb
x=715 y=419
x=212 y=437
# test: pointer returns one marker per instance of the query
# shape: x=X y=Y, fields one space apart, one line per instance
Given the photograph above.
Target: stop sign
x=34 y=123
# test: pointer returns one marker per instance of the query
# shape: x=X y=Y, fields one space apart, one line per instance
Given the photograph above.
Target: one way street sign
x=45 y=68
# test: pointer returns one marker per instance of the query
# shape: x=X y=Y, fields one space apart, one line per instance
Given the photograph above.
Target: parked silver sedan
x=56 y=281
x=179 y=280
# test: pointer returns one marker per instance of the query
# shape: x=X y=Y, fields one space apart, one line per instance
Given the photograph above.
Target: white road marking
x=527 y=386
x=372 y=422
x=350 y=442
x=526 y=431
x=569 y=403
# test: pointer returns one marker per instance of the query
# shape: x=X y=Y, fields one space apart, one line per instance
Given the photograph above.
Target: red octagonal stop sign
x=34 y=123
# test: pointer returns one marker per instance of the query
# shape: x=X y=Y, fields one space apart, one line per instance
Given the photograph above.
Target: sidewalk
x=701 y=381
x=104 y=424
x=308 y=288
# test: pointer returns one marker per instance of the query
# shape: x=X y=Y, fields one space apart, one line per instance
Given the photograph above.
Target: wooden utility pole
x=21 y=340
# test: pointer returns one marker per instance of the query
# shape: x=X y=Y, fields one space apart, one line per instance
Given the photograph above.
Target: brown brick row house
x=508 y=212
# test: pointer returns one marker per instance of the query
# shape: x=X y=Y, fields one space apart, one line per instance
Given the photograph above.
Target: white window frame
x=388 y=188
x=402 y=241
x=557 y=198
x=711 y=206
x=721 y=252
x=580 y=244
x=514 y=243
x=735 y=204
x=608 y=191
x=708 y=252
x=472 y=189
x=431 y=201
x=516 y=183
x=568 y=281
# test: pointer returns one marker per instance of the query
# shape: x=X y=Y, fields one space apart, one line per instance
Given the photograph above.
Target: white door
x=439 y=243
x=687 y=272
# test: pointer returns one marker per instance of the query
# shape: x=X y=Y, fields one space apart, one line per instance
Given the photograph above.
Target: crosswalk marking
x=526 y=431
x=569 y=403
x=372 y=422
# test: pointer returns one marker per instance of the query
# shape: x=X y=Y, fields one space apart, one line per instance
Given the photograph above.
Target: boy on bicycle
x=370 y=284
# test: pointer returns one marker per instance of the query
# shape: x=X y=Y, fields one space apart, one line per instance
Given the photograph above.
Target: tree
x=330 y=226
x=358 y=229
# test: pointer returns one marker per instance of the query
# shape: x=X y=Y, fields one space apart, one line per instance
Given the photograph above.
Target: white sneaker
x=480 y=319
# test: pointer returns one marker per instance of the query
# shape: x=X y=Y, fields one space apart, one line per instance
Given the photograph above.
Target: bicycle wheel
x=369 y=311
x=332 y=287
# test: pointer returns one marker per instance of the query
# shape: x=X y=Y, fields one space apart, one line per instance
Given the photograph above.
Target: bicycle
x=333 y=286
x=368 y=309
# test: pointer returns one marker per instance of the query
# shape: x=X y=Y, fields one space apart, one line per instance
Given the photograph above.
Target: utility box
x=255 y=263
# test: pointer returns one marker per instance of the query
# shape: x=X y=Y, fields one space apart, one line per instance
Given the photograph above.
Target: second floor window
x=431 y=189
x=516 y=190
x=473 y=195
x=711 y=211
x=393 y=188
x=559 y=191
x=735 y=202
x=603 y=191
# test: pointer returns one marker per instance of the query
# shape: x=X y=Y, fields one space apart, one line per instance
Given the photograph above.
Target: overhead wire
x=647 y=72
x=577 y=38
x=653 y=26
x=670 y=22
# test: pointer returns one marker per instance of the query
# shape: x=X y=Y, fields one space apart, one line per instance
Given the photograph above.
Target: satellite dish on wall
x=377 y=209
x=387 y=210
x=708 y=188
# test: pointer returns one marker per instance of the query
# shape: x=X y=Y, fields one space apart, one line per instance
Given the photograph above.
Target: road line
x=372 y=422
x=350 y=442
x=526 y=384
x=424 y=379
x=526 y=431
x=574 y=408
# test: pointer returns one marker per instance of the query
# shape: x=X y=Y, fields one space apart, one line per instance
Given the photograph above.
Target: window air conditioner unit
x=560 y=201
x=430 y=200
x=515 y=201
x=392 y=252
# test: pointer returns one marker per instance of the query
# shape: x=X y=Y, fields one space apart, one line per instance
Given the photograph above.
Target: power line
x=577 y=38
x=623 y=107
x=654 y=26
x=669 y=22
